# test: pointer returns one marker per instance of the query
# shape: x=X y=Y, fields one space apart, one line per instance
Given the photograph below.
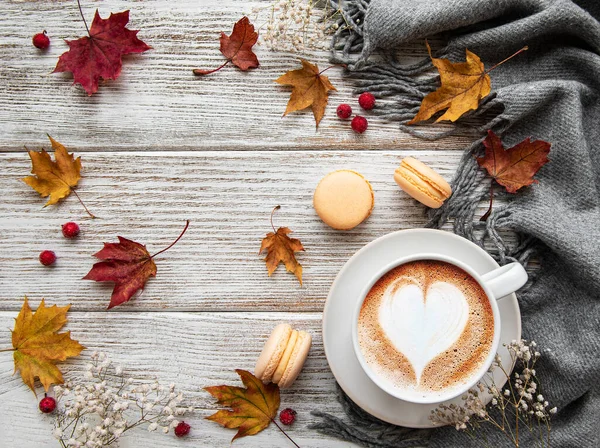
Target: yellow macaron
x=283 y=356
x=343 y=199
x=422 y=183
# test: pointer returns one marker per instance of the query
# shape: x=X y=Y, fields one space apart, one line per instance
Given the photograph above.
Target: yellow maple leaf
x=38 y=346
x=310 y=88
x=53 y=178
x=253 y=407
x=464 y=84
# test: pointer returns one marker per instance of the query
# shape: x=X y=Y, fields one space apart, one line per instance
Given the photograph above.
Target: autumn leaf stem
x=86 y=209
x=187 y=224
x=331 y=66
x=525 y=48
x=277 y=207
x=487 y=214
x=7 y=350
x=285 y=433
x=201 y=72
x=84 y=22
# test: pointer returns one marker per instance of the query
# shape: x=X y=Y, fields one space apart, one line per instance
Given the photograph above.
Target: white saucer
x=343 y=299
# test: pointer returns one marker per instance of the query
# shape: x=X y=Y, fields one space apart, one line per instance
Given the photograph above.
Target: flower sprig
x=96 y=411
x=517 y=406
x=298 y=25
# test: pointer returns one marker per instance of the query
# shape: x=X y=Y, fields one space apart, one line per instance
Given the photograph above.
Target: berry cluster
x=359 y=123
x=69 y=230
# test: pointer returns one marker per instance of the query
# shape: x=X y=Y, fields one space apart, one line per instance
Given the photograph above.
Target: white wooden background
x=160 y=146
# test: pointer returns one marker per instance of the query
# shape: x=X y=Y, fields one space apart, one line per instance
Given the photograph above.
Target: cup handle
x=505 y=280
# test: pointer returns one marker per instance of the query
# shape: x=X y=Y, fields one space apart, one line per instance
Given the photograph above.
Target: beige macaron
x=343 y=199
x=422 y=183
x=283 y=356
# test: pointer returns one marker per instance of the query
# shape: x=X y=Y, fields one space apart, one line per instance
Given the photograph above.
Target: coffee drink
x=426 y=328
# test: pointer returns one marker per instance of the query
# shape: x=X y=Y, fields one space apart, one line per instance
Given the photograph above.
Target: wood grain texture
x=160 y=146
x=157 y=103
x=192 y=350
x=227 y=196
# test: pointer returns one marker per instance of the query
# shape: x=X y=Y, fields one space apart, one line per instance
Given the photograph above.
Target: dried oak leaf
x=53 y=178
x=514 y=167
x=38 y=346
x=310 y=88
x=280 y=249
x=98 y=56
x=237 y=47
x=128 y=264
x=463 y=85
x=253 y=407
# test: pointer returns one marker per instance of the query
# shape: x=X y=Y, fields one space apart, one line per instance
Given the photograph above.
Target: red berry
x=70 y=230
x=344 y=111
x=366 y=101
x=359 y=124
x=287 y=416
x=182 y=429
x=41 y=40
x=47 y=257
x=47 y=405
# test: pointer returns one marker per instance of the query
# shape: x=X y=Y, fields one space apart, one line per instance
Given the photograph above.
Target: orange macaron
x=422 y=183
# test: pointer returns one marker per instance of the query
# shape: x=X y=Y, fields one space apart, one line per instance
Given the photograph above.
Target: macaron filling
x=285 y=358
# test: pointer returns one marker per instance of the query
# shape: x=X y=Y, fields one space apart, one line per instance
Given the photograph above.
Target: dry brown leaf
x=513 y=168
x=310 y=88
x=281 y=249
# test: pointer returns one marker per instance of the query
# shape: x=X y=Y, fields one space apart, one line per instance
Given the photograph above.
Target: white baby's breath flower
x=152 y=426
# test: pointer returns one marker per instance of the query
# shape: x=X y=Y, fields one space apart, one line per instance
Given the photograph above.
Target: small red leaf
x=237 y=47
x=98 y=56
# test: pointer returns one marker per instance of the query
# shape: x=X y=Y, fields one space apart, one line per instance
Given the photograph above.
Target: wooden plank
x=192 y=350
x=157 y=103
x=228 y=197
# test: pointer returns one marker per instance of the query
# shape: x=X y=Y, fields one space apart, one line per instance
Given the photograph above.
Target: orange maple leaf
x=281 y=249
x=38 y=346
x=310 y=88
x=463 y=85
x=56 y=179
x=253 y=407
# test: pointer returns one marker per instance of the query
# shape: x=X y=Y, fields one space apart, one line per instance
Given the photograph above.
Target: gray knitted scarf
x=551 y=92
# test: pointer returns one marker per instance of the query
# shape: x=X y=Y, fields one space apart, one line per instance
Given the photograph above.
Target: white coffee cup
x=496 y=284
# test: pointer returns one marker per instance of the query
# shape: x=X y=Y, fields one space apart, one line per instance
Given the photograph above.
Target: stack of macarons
x=283 y=356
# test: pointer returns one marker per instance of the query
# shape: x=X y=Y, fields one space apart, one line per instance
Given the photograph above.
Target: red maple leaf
x=237 y=47
x=513 y=168
x=98 y=56
x=128 y=264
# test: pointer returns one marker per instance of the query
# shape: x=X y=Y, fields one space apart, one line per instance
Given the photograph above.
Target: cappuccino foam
x=426 y=327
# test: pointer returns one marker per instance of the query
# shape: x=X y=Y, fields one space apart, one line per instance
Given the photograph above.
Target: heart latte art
x=426 y=327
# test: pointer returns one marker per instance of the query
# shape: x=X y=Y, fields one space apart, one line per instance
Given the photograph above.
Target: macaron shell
x=343 y=199
x=272 y=352
x=422 y=183
x=285 y=358
x=297 y=359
